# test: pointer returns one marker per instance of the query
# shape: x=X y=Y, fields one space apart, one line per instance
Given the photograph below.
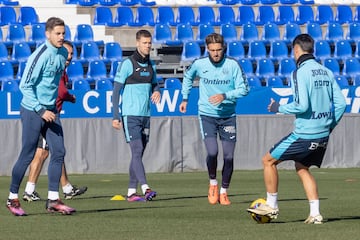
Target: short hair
x=214 y=38
x=143 y=33
x=67 y=42
x=53 y=22
x=305 y=41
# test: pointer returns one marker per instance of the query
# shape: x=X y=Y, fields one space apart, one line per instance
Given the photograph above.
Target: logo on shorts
x=229 y=129
x=315 y=145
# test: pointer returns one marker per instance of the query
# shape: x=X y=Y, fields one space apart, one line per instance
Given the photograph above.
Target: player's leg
x=70 y=190
x=41 y=154
x=55 y=139
x=31 y=127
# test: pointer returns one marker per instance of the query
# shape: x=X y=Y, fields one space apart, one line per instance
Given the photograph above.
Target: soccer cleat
x=75 y=192
x=213 y=195
x=135 y=198
x=149 y=194
x=14 y=207
x=58 y=206
x=31 y=197
x=224 y=200
x=314 y=220
x=265 y=210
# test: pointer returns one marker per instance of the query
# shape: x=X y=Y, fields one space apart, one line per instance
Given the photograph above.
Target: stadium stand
x=9 y=86
x=6 y=71
x=27 y=16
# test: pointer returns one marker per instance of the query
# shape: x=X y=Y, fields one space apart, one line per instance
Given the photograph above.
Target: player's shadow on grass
x=342 y=218
x=194 y=197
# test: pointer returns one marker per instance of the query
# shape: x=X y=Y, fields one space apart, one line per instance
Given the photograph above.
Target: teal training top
x=225 y=77
x=136 y=83
x=40 y=80
x=318 y=102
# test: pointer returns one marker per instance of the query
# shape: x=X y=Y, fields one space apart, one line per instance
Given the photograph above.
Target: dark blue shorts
x=136 y=127
x=308 y=152
x=211 y=126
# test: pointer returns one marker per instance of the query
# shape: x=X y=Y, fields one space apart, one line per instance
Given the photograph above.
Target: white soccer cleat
x=265 y=210
x=314 y=220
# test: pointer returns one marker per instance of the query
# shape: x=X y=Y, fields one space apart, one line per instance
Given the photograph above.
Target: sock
x=67 y=188
x=13 y=195
x=131 y=191
x=314 y=207
x=271 y=200
x=223 y=190
x=144 y=187
x=53 y=195
x=213 y=182
x=30 y=187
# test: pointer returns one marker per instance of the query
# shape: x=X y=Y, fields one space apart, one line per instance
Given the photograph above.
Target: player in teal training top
x=318 y=105
x=222 y=82
x=136 y=79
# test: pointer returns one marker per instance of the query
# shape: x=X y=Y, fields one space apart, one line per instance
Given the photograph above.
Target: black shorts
x=211 y=126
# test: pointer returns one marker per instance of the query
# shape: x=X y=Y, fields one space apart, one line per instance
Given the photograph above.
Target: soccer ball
x=259 y=218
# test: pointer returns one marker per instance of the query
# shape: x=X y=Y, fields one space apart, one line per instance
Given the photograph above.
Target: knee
x=268 y=161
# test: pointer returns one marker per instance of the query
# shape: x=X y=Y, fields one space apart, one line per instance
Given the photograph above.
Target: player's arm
x=241 y=85
x=339 y=103
x=156 y=95
x=119 y=83
x=187 y=83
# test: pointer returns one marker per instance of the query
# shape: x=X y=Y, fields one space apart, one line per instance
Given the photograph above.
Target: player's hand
x=216 y=99
x=273 y=106
x=117 y=124
x=155 y=97
x=48 y=116
x=182 y=107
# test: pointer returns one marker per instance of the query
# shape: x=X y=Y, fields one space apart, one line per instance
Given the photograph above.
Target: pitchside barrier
x=93 y=146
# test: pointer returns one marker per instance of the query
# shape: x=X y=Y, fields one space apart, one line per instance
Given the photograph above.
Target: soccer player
x=42 y=152
x=318 y=105
x=222 y=81
x=39 y=87
x=136 y=78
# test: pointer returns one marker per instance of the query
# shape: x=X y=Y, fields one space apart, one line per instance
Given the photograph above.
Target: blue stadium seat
x=103 y=84
x=103 y=16
x=97 y=71
x=81 y=84
x=4 y=53
x=309 y=2
x=163 y=35
x=112 y=52
x=205 y=15
x=257 y=50
x=67 y=33
x=249 y=33
x=20 y=69
x=286 y=66
x=128 y=2
x=191 y=50
x=291 y=30
x=229 y=32
x=343 y=14
x=357 y=14
x=265 y=68
x=334 y=32
x=342 y=80
x=203 y=31
x=37 y=35
x=269 y=2
x=185 y=15
x=108 y=2
x=324 y=14
x=229 y=2
x=27 y=16
x=278 y=50
x=172 y=83
x=235 y=49
x=165 y=15
x=247 y=66
x=84 y=33
x=351 y=67
x=289 y=2
x=249 y=2
x=225 y=15
x=147 y=3
x=89 y=51
x=314 y=30
x=71 y=1
x=265 y=15
x=333 y=65
x=144 y=16
x=20 y=52
x=271 y=32
x=322 y=49
x=87 y=3
x=305 y=14
x=6 y=71
x=16 y=33
x=285 y=15
x=10 y=2
x=245 y=15
x=9 y=86
x=184 y=33
x=254 y=81
x=75 y=71
x=124 y=16
x=7 y=15
x=343 y=49
x=113 y=68
x=353 y=33
x=275 y=81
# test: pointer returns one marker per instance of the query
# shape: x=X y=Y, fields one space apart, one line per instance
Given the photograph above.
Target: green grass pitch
x=181 y=210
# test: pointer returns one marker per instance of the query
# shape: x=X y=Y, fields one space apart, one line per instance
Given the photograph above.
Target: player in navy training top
x=318 y=105
x=222 y=81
